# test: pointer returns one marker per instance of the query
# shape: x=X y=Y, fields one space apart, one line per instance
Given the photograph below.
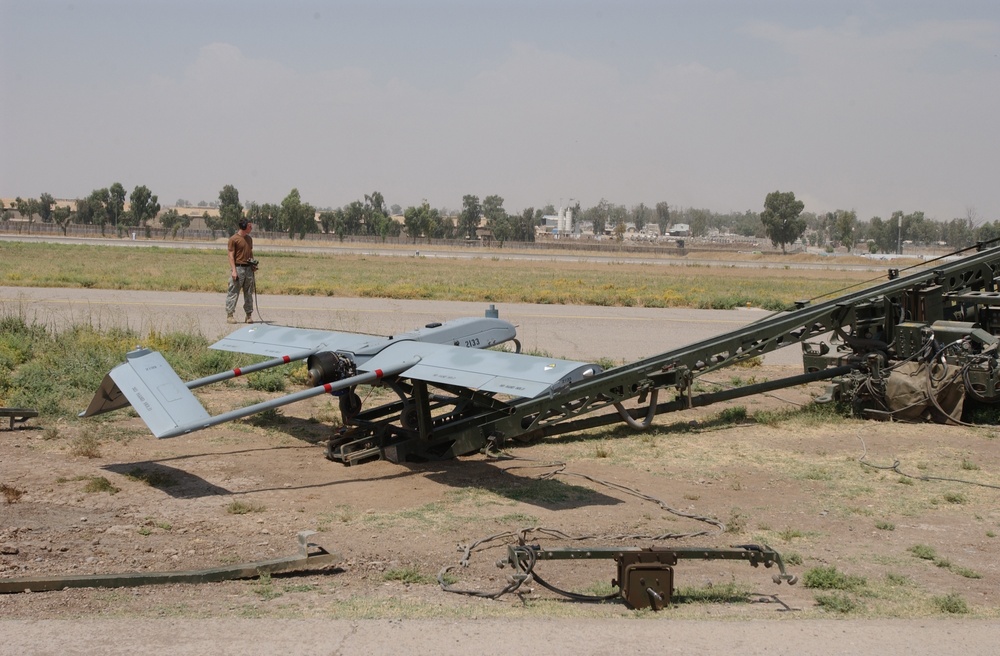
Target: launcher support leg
x=422 y=407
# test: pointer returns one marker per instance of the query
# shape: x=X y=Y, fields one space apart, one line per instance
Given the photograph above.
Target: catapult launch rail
x=956 y=298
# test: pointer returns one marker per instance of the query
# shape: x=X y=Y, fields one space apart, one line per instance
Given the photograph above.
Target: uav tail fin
x=156 y=392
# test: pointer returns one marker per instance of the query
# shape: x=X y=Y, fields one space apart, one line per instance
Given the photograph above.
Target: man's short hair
x=243 y=223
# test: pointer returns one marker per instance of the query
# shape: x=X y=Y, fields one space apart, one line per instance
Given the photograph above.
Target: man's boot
x=230 y=318
x=249 y=318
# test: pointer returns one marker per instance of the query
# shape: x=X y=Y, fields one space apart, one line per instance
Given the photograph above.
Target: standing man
x=241 y=268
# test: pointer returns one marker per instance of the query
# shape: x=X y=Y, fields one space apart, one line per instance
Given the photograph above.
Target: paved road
x=657 y=635
x=566 y=331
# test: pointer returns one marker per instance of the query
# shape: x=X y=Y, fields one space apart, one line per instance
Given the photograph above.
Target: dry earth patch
x=106 y=497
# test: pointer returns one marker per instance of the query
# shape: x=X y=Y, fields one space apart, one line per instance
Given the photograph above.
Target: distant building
x=679 y=230
x=557 y=224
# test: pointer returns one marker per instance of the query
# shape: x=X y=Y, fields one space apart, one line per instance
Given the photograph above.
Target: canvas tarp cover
x=916 y=391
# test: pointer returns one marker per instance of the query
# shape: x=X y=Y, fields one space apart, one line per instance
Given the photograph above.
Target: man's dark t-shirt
x=242 y=248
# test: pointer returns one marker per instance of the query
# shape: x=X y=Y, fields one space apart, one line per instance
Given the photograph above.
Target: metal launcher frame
x=956 y=300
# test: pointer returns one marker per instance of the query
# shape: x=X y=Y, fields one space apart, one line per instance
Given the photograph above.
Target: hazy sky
x=871 y=105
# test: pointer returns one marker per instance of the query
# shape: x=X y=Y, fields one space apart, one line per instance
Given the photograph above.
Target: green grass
x=790 y=534
x=619 y=283
x=598 y=589
x=733 y=415
x=56 y=371
x=838 y=602
x=100 y=484
x=727 y=593
x=951 y=603
x=87 y=445
x=838 y=589
x=243 y=508
x=966 y=572
x=151 y=478
x=791 y=558
x=897 y=579
x=816 y=474
x=264 y=588
x=268 y=380
x=409 y=575
x=40 y=357
x=923 y=552
x=737 y=521
x=829 y=578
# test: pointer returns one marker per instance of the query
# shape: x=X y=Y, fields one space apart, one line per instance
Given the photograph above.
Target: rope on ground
x=895 y=467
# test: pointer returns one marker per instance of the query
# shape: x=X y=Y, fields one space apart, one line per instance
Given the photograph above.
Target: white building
x=559 y=224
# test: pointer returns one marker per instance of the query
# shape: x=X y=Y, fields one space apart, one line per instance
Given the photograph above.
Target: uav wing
x=443 y=357
x=513 y=374
x=277 y=341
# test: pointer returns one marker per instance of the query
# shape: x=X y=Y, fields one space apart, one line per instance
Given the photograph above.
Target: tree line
x=783 y=219
x=104 y=207
x=784 y=222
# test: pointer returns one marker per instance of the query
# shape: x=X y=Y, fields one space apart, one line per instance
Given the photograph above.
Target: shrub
x=966 y=572
x=790 y=534
x=734 y=415
x=11 y=494
x=792 y=558
x=737 y=521
x=828 y=578
x=951 y=603
x=408 y=575
x=838 y=602
x=269 y=380
x=100 y=484
x=86 y=445
x=923 y=551
x=242 y=508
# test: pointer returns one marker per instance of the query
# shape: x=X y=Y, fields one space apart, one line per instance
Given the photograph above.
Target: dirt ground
x=103 y=496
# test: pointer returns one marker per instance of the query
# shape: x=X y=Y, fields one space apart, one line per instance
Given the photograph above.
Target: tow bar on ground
x=645 y=575
x=310 y=556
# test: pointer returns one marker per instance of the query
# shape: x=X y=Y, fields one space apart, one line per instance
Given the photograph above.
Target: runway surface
x=573 y=332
